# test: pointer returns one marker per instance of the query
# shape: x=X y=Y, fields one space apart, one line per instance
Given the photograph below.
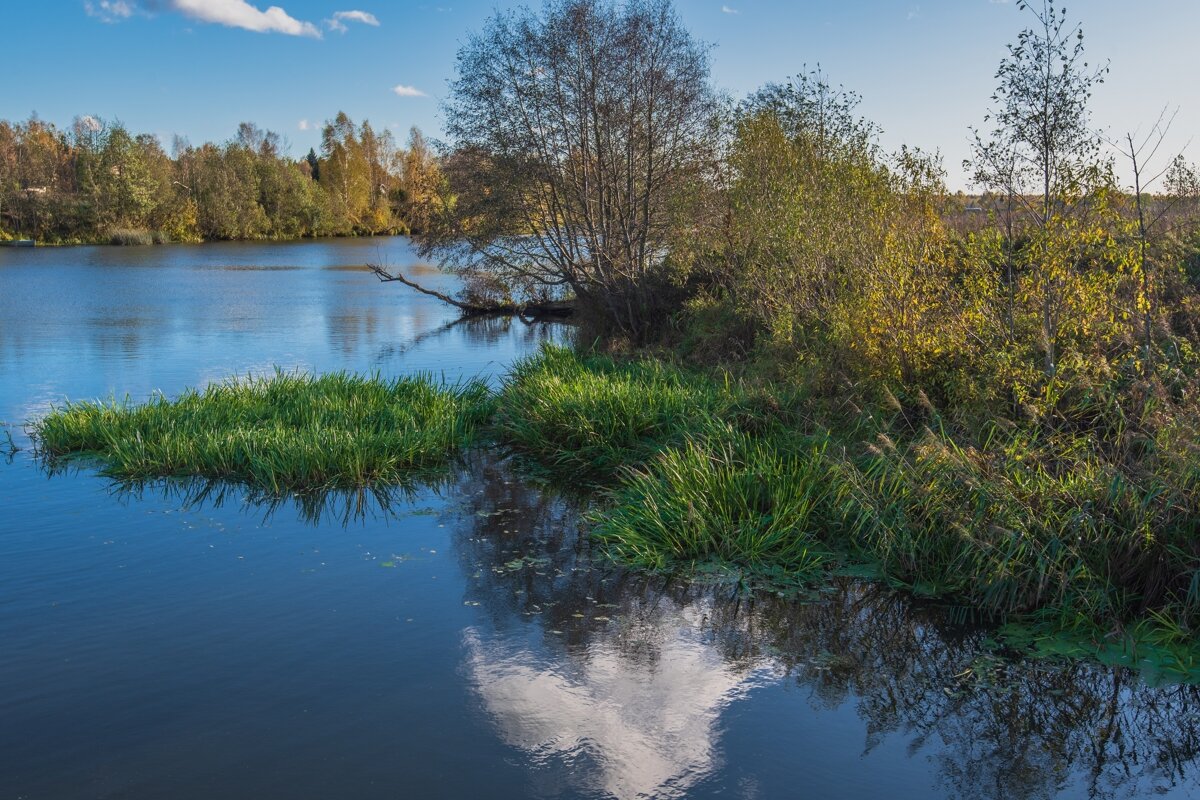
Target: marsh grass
x=1015 y=523
x=695 y=471
x=1009 y=519
x=590 y=417
x=136 y=237
x=287 y=432
x=730 y=498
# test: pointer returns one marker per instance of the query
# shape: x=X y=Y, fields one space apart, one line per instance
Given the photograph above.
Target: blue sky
x=924 y=68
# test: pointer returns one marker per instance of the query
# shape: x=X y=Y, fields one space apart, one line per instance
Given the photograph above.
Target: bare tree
x=574 y=134
x=1141 y=154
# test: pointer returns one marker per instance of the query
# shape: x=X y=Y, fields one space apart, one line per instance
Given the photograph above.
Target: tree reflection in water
x=614 y=682
x=635 y=683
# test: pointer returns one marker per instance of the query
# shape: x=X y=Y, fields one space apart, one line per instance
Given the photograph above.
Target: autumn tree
x=582 y=126
x=421 y=192
x=1043 y=154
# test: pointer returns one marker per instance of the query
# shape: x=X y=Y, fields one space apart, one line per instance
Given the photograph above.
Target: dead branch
x=526 y=312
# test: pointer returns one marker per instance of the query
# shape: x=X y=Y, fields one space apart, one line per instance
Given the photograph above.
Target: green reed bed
x=1012 y=521
x=586 y=417
x=1055 y=528
x=1017 y=524
x=730 y=499
x=285 y=432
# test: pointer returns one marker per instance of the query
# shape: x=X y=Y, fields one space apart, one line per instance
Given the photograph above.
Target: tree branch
x=525 y=311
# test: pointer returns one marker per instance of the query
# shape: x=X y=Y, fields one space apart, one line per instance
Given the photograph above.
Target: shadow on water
x=618 y=683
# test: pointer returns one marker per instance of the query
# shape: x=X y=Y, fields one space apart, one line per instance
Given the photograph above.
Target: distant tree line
x=99 y=182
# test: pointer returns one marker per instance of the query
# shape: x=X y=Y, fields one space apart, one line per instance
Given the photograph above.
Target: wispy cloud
x=728 y=10
x=240 y=14
x=913 y=12
x=366 y=18
x=338 y=21
x=230 y=13
x=109 y=10
x=304 y=125
x=408 y=91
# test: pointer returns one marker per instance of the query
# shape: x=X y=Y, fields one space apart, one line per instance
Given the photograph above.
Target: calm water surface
x=195 y=642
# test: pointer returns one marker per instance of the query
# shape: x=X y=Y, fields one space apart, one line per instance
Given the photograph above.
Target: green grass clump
x=740 y=501
x=286 y=432
x=587 y=416
x=136 y=237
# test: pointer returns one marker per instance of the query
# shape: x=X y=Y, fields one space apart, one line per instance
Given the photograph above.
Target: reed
x=585 y=417
x=1009 y=519
x=729 y=498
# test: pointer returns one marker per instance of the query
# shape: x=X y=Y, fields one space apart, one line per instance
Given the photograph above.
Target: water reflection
x=330 y=507
x=611 y=683
x=482 y=333
x=616 y=684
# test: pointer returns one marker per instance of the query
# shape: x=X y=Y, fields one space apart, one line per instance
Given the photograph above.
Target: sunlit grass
x=729 y=498
x=586 y=417
x=286 y=432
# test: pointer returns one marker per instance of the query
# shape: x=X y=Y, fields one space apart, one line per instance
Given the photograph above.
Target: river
x=197 y=641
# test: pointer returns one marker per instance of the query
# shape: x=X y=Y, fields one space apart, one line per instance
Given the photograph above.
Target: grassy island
x=287 y=432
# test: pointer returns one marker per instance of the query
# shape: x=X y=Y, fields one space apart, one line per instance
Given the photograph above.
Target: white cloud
x=231 y=13
x=357 y=16
x=728 y=10
x=240 y=14
x=338 y=21
x=408 y=91
x=304 y=125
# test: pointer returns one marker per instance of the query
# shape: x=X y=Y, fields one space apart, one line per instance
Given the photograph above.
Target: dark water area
x=459 y=640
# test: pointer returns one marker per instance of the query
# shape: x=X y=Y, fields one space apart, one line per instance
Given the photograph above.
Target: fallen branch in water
x=561 y=309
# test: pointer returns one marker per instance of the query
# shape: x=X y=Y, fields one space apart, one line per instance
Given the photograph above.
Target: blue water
x=190 y=641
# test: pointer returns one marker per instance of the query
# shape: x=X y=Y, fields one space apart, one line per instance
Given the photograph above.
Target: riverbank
x=691 y=470
x=150 y=238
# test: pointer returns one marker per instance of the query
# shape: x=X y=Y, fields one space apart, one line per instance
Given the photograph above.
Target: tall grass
x=136 y=237
x=1007 y=519
x=1014 y=519
x=286 y=432
x=730 y=498
x=1019 y=523
x=586 y=417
